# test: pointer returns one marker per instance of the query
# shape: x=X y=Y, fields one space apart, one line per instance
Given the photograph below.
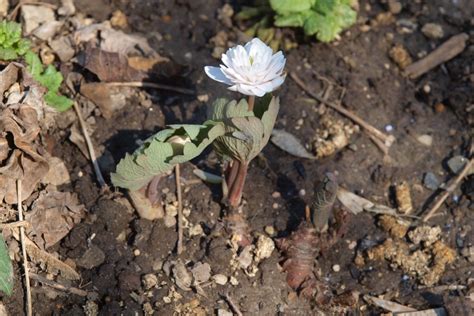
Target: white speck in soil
x=388 y=128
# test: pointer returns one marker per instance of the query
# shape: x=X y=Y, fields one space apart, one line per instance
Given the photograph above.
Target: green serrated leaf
x=35 y=66
x=291 y=20
x=50 y=78
x=286 y=6
x=12 y=45
x=246 y=133
x=59 y=102
x=158 y=155
x=6 y=269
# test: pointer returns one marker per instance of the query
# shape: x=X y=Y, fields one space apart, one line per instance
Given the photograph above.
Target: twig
x=58 y=286
x=232 y=305
x=14 y=225
x=387 y=139
x=14 y=12
x=29 y=305
x=448 y=50
x=180 y=209
x=90 y=147
x=140 y=84
x=449 y=190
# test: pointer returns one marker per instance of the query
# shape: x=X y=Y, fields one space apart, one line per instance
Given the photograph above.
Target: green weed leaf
x=285 y=6
x=12 y=45
x=6 y=269
x=161 y=152
x=323 y=18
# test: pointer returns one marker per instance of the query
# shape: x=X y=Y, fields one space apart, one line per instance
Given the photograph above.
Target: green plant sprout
x=13 y=46
x=325 y=19
x=238 y=130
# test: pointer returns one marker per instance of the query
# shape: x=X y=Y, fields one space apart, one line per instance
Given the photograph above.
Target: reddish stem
x=237 y=187
x=251 y=102
x=232 y=170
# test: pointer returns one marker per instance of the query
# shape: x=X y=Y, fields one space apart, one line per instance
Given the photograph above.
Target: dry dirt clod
x=93 y=257
x=403 y=196
x=220 y=279
x=182 y=277
x=201 y=272
x=400 y=56
x=397 y=228
x=149 y=281
x=119 y=19
x=425 y=234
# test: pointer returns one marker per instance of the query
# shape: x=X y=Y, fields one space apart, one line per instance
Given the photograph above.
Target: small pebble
x=234 y=281
x=270 y=230
x=336 y=268
x=439 y=107
x=275 y=205
x=302 y=192
x=352 y=245
x=432 y=30
x=80 y=174
x=388 y=128
x=456 y=163
x=426 y=88
x=136 y=252
x=394 y=6
x=220 y=279
x=170 y=221
x=426 y=140
x=430 y=181
x=276 y=195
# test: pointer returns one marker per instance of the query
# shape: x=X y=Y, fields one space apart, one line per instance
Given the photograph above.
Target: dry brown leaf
x=57 y=175
x=53 y=265
x=111 y=40
x=109 y=66
x=108 y=99
x=53 y=215
x=146 y=64
x=24 y=161
x=8 y=77
x=77 y=139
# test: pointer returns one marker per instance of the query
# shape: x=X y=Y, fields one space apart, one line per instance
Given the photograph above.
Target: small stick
x=140 y=84
x=232 y=305
x=180 y=209
x=14 y=225
x=387 y=139
x=448 y=50
x=449 y=190
x=58 y=286
x=90 y=147
x=29 y=304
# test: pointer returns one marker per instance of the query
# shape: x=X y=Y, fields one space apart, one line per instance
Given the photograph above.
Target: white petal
x=216 y=74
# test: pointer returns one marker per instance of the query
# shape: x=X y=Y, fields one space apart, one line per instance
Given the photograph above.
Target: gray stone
x=430 y=181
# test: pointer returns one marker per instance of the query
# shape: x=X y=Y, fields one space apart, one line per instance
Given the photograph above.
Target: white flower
x=252 y=69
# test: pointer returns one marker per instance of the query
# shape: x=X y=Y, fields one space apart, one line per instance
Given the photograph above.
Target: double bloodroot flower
x=252 y=69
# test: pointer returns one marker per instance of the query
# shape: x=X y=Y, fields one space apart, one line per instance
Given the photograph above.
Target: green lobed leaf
x=287 y=6
x=6 y=269
x=59 y=102
x=157 y=156
x=246 y=132
x=291 y=20
x=12 y=45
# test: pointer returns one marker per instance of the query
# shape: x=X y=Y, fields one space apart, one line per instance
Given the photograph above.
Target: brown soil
x=375 y=89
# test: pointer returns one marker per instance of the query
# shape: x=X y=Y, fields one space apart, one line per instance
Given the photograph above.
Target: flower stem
x=251 y=102
x=236 y=188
